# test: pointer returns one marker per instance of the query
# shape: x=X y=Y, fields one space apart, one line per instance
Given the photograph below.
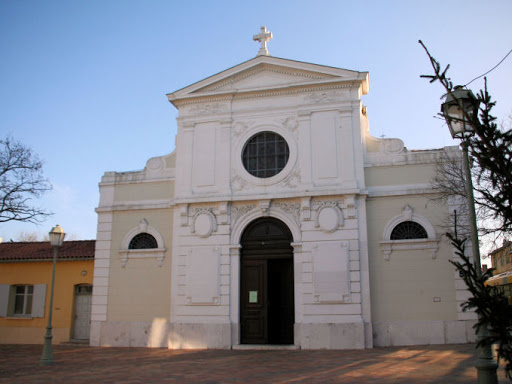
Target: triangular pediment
x=264 y=76
x=267 y=73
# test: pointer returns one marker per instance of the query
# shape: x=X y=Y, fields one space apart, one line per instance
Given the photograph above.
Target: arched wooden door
x=267 y=311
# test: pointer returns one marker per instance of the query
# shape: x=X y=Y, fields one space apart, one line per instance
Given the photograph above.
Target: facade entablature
x=342 y=99
x=138 y=205
x=327 y=213
x=349 y=90
x=334 y=191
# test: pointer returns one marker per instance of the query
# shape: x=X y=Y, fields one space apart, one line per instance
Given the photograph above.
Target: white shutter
x=4 y=299
x=39 y=300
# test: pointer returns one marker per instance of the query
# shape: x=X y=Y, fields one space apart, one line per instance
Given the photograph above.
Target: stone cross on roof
x=263 y=37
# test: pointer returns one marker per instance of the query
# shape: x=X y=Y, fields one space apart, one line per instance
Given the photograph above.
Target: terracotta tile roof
x=42 y=251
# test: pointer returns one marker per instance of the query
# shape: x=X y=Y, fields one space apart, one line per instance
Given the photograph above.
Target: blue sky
x=83 y=83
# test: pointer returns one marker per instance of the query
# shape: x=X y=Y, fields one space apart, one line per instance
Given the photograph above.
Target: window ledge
x=388 y=246
x=156 y=253
x=19 y=317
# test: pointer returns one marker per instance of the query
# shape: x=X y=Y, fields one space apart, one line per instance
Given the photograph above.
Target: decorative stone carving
x=407 y=212
x=351 y=207
x=208 y=109
x=264 y=206
x=317 y=204
x=322 y=97
x=306 y=208
x=293 y=180
x=329 y=218
x=155 y=164
x=391 y=146
x=238 y=182
x=291 y=209
x=204 y=222
x=223 y=212
x=143 y=225
x=239 y=128
x=239 y=211
x=291 y=124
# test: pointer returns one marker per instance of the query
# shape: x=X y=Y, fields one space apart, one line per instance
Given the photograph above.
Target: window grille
x=408 y=230
x=143 y=241
x=265 y=154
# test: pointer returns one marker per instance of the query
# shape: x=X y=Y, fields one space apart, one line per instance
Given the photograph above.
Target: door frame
x=276 y=246
x=75 y=314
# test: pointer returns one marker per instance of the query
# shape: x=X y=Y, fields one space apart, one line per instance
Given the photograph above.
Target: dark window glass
x=265 y=154
x=23 y=299
x=83 y=289
x=407 y=230
x=143 y=241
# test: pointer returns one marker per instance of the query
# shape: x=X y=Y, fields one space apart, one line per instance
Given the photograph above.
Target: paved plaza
x=80 y=364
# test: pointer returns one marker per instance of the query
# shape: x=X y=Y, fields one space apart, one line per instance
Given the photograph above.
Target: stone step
x=75 y=342
x=265 y=347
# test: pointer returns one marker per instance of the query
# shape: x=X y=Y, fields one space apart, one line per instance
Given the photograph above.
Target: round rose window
x=265 y=154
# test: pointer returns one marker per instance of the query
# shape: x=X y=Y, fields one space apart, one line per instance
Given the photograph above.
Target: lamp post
x=56 y=239
x=460 y=109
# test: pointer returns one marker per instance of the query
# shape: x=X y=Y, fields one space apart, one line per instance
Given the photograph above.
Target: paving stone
x=398 y=365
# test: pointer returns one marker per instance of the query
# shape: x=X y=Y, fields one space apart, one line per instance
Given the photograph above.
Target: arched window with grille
x=408 y=230
x=143 y=241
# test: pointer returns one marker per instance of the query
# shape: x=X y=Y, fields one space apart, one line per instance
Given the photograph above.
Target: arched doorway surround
x=267 y=309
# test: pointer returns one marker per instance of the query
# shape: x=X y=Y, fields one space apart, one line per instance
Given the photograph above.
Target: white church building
x=277 y=220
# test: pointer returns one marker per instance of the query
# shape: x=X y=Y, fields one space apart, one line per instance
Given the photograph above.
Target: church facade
x=277 y=220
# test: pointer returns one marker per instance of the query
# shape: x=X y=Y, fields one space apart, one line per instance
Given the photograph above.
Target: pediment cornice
x=300 y=74
x=267 y=75
x=256 y=93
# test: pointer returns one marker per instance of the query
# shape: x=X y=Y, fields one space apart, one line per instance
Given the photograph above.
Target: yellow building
x=501 y=259
x=25 y=285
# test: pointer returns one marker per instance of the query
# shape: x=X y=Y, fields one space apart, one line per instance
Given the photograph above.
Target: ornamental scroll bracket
x=264 y=206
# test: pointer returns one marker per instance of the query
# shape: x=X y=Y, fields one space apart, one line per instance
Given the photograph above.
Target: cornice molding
x=288 y=89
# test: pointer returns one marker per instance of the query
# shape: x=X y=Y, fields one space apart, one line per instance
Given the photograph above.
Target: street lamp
x=460 y=110
x=56 y=239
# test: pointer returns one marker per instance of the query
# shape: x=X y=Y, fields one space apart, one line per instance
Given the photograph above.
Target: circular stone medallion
x=328 y=219
x=204 y=225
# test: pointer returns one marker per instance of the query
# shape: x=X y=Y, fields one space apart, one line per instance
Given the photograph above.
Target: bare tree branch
x=491 y=151
x=21 y=180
